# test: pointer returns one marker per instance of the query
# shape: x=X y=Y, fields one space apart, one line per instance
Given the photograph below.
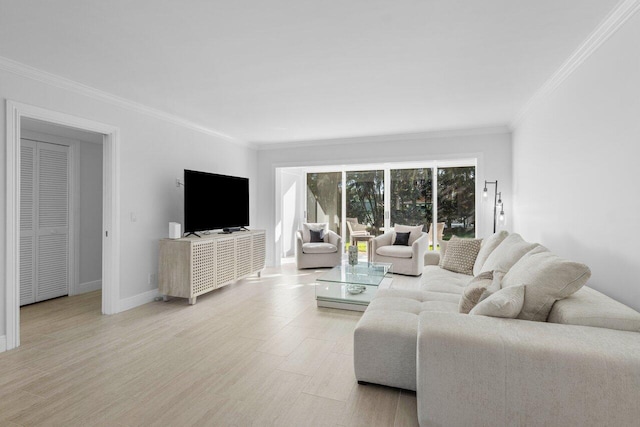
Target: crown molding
x=614 y=21
x=445 y=133
x=36 y=74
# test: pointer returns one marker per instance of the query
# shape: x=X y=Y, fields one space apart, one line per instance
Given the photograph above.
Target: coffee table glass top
x=363 y=273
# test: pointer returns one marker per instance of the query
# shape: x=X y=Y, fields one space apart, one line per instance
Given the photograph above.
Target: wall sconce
x=497 y=202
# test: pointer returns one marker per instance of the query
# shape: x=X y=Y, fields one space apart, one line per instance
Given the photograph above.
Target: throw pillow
x=488 y=245
x=416 y=232
x=495 y=286
x=506 y=303
x=461 y=255
x=474 y=290
x=547 y=278
x=316 y=236
x=306 y=236
x=402 y=239
x=507 y=253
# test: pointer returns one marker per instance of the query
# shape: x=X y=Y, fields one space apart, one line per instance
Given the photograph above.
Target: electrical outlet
x=151 y=279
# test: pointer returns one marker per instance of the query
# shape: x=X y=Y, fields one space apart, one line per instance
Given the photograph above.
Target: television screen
x=213 y=201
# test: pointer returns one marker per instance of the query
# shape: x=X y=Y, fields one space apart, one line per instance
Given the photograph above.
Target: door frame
x=15 y=111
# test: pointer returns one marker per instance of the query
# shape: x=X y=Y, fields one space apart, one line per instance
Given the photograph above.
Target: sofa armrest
x=334 y=239
x=419 y=247
x=299 y=242
x=477 y=370
x=381 y=240
x=431 y=258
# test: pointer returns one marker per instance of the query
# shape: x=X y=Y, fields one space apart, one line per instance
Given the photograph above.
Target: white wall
x=575 y=162
x=153 y=153
x=292 y=190
x=491 y=147
x=90 y=214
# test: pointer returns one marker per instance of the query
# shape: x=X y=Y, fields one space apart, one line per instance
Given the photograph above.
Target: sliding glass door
x=365 y=199
x=411 y=201
x=437 y=196
x=324 y=199
x=457 y=201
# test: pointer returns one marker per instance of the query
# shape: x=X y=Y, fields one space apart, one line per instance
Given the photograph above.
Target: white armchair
x=407 y=260
x=314 y=255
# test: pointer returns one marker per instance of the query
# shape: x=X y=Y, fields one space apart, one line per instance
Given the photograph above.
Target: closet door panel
x=28 y=191
x=53 y=222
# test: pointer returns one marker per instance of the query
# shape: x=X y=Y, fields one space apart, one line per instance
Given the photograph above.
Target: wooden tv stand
x=192 y=266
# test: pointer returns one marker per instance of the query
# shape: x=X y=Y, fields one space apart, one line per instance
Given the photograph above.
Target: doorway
x=60 y=211
x=17 y=114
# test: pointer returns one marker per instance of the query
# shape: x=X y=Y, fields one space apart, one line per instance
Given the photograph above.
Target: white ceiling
x=278 y=71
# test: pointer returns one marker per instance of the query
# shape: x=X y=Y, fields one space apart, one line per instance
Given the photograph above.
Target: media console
x=193 y=266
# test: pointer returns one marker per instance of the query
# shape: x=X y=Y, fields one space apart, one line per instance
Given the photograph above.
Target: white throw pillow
x=416 y=232
x=488 y=245
x=547 y=278
x=506 y=303
x=306 y=226
x=512 y=248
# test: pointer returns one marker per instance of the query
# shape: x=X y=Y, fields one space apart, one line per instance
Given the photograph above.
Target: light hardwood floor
x=258 y=352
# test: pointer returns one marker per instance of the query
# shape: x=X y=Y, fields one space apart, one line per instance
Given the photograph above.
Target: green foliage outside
x=411 y=199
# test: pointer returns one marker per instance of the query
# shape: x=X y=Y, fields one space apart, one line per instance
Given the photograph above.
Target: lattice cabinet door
x=244 y=255
x=259 y=249
x=225 y=261
x=203 y=276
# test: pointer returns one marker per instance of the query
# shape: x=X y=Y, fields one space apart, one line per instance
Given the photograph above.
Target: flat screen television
x=213 y=201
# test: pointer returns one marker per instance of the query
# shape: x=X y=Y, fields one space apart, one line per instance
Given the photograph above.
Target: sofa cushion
x=318 y=248
x=417 y=295
x=395 y=251
x=488 y=245
x=588 y=307
x=547 y=278
x=436 y=279
x=439 y=306
x=384 y=344
x=306 y=236
x=386 y=335
x=508 y=252
x=474 y=290
x=415 y=230
x=505 y=303
x=461 y=255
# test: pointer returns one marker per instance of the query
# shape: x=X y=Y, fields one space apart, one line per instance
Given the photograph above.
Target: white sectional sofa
x=579 y=367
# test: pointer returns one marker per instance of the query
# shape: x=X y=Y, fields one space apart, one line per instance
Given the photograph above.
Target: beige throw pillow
x=461 y=255
x=488 y=245
x=547 y=278
x=416 y=232
x=306 y=236
x=506 y=303
x=496 y=285
x=512 y=248
x=474 y=290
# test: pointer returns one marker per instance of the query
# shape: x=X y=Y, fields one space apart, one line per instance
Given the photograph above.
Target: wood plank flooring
x=257 y=352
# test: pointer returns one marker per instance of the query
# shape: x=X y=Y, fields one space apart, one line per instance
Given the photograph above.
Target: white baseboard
x=89 y=286
x=3 y=343
x=137 y=300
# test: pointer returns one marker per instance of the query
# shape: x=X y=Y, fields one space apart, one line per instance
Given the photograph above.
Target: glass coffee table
x=351 y=287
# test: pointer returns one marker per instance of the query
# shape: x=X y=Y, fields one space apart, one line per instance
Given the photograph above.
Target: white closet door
x=27 y=222
x=49 y=222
